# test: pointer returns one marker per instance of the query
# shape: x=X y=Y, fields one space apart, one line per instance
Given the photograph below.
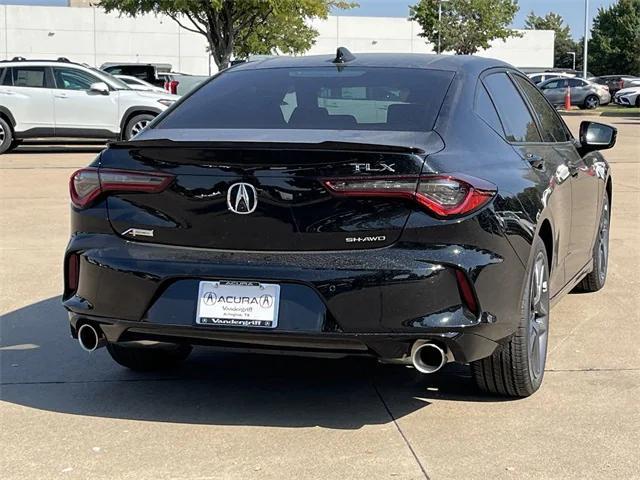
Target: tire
x=6 y=136
x=638 y=101
x=136 y=124
x=597 y=278
x=148 y=357
x=591 y=102
x=516 y=369
x=15 y=144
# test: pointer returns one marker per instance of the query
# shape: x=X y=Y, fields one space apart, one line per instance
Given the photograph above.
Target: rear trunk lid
x=264 y=190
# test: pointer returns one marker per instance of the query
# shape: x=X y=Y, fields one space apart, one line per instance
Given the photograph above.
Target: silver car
x=584 y=94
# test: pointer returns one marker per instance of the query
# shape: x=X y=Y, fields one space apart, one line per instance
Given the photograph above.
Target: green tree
x=563 y=41
x=240 y=27
x=615 y=39
x=467 y=25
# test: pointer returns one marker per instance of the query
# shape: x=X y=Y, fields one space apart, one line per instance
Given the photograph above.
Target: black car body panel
x=403 y=277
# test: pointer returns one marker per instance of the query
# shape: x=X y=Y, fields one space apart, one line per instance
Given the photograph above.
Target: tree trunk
x=222 y=58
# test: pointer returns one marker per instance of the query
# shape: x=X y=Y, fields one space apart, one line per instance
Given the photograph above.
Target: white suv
x=53 y=99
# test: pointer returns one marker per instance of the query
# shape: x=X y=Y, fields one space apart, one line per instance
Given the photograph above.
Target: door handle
x=61 y=96
x=536 y=161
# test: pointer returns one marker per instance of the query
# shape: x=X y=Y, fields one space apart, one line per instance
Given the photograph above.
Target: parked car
x=554 y=72
x=584 y=94
x=617 y=82
x=149 y=72
x=52 y=99
x=628 y=97
x=276 y=208
x=158 y=74
x=538 y=78
x=138 y=84
x=181 y=83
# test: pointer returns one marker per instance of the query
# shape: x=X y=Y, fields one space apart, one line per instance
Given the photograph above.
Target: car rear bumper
x=354 y=302
x=461 y=347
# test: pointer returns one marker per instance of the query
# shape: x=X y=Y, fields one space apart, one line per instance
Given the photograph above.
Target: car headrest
x=309 y=117
x=405 y=115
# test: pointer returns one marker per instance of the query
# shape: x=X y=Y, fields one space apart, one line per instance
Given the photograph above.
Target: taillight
x=88 y=184
x=444 y=196
x=171 y=86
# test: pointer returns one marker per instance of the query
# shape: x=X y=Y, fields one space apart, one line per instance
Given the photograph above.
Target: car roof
x=617 y=76
x=456 y=63
x=562 y=78
x=40 y=62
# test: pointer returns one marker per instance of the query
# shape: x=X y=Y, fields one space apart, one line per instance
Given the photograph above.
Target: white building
x=92 y=36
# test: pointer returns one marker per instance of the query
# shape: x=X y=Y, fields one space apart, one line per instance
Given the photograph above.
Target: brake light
x=88 y=184
x=445 y=196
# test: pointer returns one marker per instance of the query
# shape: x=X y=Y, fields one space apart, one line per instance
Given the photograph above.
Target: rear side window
x=557 y=83
x=552 y=128
x=331 y=98
x=576 y=82
x=516 y=118
x=34 y=77
x=8 y=78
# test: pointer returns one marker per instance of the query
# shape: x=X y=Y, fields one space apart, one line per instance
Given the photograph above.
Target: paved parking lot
x=67 y=414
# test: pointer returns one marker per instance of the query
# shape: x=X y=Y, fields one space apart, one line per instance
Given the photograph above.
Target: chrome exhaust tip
x=427 y=357
x=90 y=338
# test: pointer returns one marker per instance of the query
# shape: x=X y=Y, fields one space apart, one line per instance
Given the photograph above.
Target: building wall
x=92 y=36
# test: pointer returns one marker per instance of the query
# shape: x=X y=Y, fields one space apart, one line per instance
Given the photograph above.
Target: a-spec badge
x=138 y=232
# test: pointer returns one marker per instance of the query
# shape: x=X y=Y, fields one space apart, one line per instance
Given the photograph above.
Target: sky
x=571 y=10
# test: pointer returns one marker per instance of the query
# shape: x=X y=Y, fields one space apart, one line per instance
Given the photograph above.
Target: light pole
x=585 y=52
x=573 y=54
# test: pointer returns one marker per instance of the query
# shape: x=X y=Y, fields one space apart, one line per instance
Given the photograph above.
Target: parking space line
x=404 y=438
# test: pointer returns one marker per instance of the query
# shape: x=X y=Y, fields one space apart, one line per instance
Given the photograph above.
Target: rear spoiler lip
x=358 y=140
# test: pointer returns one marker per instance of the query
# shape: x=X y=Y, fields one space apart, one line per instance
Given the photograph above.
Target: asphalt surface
x=71 y=415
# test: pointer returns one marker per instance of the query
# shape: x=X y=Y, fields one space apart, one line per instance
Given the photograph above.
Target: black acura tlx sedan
x=420 y=209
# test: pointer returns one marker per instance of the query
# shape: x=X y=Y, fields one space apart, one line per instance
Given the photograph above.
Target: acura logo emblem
x=242 y=198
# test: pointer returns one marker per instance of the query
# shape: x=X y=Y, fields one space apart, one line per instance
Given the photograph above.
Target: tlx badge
x=378 y=167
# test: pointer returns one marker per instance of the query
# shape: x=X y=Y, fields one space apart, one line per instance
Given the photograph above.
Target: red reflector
x=445 y=196
x=73 y=272
x=87 y=184
x=466 y=291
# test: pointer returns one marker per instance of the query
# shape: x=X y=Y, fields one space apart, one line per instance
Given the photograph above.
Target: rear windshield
x=333 y=98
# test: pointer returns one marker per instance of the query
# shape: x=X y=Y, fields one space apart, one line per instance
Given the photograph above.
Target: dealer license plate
x=238 y=304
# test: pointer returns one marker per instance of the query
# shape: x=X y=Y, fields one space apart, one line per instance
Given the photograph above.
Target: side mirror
x=596 y=136
x=99 y=87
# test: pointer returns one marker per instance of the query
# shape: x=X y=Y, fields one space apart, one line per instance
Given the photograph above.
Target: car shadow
x=59 y=147
x=42 y=367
